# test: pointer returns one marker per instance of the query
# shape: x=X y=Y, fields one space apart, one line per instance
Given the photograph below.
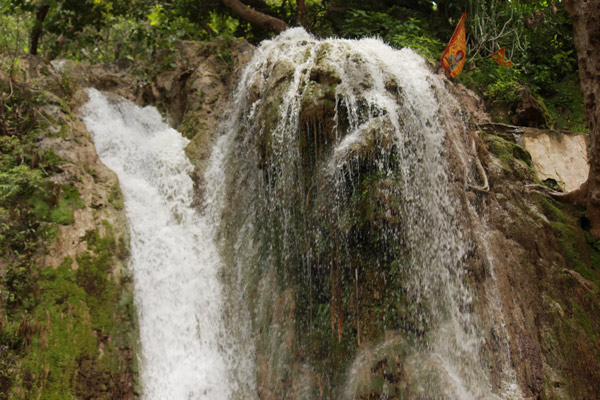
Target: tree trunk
x=302 y=20
x=256 y=18
x=36 y=31
x=586 y=34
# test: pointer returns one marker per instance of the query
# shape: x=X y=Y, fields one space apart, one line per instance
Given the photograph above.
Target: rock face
x=529 y=111
x=531 y=261
x=540 y=254
x=533 y=267
x=561 y=156
x=196 y=94
x=545 y=266
x=75 y=334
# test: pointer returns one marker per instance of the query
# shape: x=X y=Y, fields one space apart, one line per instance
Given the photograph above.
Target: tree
x=36 y=31
x=64 y=19
x=302 y=13
x=586 y=35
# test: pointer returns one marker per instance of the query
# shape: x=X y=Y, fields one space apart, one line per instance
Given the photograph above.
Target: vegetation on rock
x=67 y=325
x=66 y=329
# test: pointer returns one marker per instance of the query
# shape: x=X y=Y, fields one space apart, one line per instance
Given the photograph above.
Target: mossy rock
x=78 y=314
x=393 y=369
x=514 y=159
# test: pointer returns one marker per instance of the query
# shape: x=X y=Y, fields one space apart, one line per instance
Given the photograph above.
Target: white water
x=450 y=363
x=185 y=351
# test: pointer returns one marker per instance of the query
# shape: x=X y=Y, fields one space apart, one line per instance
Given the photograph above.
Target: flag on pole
x=500 y=58
x=453 y=58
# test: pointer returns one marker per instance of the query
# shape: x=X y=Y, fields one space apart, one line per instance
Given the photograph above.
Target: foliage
x=30 y=204
x=537 y=36
x=21 y=179
x=14 y=29
x=407 y=32
x=493 y=24
x=565 y=105
x=538 y=40
x=494 y=81
x=23 y=169
x=549 y=54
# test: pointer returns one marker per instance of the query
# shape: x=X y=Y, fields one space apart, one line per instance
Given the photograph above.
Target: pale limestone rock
x=561 y=156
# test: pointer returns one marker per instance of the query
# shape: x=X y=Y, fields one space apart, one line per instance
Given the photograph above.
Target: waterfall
x=185 y=350
x=333 y=255
x=340 y=188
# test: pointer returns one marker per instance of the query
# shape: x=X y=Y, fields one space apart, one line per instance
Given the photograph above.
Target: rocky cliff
x=537 y=265
x=531 y=263
x=67 y=320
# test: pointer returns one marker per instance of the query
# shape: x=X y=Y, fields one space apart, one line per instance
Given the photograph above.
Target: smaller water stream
x=174 y=261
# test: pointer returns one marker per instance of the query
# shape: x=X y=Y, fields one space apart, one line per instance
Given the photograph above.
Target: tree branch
x=256 y=18
x=209 y=30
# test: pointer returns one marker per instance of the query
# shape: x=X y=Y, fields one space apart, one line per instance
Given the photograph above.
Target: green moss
x=575 y=327
x=584 y=323
x=115 y=198
x=547 y=116
x=580 y=255
x=575 y=337
x=92 y=277
x=63 y=336
x=62 y=214
x=513 y=158
x=49 y=232
x=62 y=132
x=40 y=204
x=505 y=150
x=70 y=200
x=53 y=323
x=553 y=210
x=594 y=244
x=77 y=311
x=569 y=239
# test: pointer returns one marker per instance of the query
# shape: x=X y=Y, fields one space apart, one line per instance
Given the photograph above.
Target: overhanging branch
x=256 y=18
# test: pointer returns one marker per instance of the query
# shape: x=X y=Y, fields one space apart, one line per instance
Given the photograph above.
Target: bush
x=492 y=81
x=399 y=32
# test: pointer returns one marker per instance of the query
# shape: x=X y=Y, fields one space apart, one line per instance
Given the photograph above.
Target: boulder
x=560 y=156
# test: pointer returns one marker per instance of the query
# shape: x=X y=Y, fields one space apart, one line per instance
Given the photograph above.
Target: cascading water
x=331 y=256
x=185 y=351
x=339 y=218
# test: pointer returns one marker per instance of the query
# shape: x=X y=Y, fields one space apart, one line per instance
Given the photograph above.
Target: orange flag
x=500 y=58
x=453 y=58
